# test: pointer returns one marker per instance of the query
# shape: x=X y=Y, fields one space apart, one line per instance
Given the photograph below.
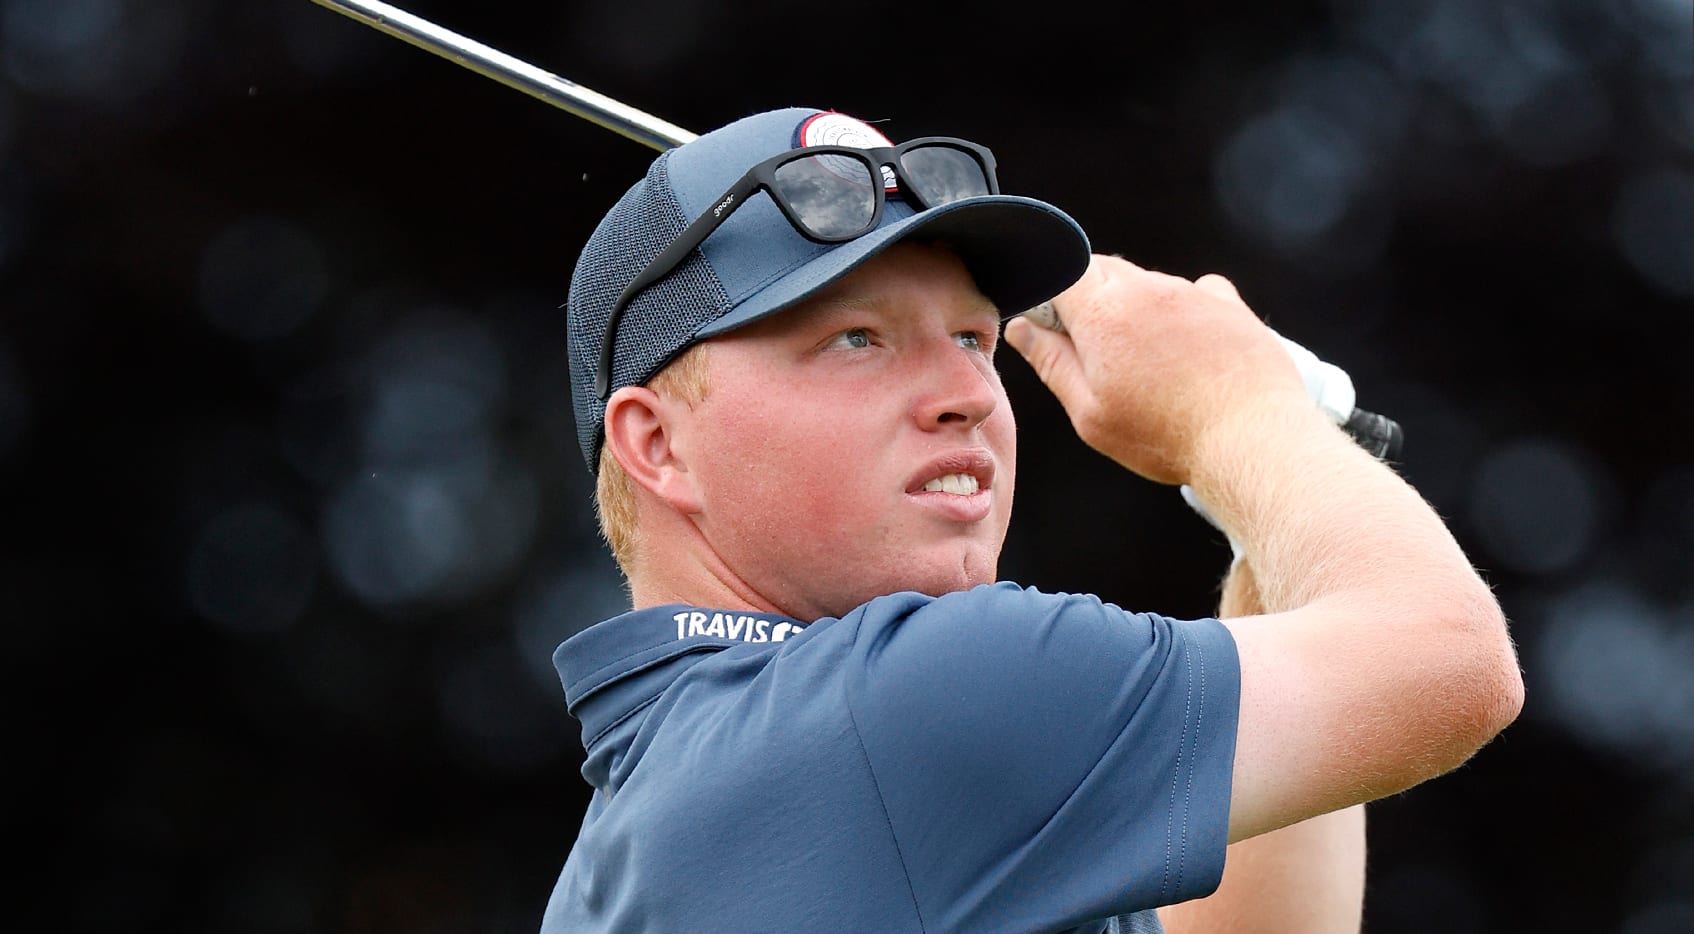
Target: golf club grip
x=1378 y=434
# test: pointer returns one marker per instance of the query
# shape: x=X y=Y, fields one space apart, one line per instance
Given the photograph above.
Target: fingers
x=1109 y=286
x=1218 y=285
x=1053 y=357
x=1099 y=288
x=1147 y=359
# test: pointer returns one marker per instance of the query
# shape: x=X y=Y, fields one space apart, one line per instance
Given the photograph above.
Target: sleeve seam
x=1171 y=831
x=1194 y=736
x=1188 y=749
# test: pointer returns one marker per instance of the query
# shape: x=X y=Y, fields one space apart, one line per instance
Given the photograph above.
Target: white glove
x=1327 y=385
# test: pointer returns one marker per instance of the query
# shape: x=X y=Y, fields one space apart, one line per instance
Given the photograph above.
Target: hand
x=1150 y=363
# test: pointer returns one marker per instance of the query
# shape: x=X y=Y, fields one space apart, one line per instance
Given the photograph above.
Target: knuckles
x=1086 y=419
x=1159 y=356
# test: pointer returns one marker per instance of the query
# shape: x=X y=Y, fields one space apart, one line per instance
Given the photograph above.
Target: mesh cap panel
x=663 y=318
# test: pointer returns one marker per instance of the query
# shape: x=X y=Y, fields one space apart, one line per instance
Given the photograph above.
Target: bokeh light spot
x=1560 y=120
x=394 y=538
x=252 y=569
x=261 y=277
x=39 y=31
x=1536 y=505
x=1615 y=669
x=1653 y=226
x=1291 y=173
x=408 y=536
x=1663 y=30
x=584 y=594
x=437 y=507
x=1670 y=105
x=98 y=50
x=1356 y=93
x=434 y=387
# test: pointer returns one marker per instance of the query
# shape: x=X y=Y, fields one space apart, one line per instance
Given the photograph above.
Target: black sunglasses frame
x=762 y=177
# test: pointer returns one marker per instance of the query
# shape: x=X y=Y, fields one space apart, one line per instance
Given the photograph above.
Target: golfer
x=825 y=712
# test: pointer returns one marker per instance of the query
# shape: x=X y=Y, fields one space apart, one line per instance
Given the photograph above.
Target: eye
x=855 y=338
x=970 y=340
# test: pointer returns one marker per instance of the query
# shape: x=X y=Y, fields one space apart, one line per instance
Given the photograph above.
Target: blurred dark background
x=292 y=509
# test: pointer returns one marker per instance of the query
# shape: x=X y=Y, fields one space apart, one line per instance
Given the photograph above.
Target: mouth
x=959 y=484
x=958 y=473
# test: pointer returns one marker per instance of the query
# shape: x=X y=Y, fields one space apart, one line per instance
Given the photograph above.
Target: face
x=858 y=444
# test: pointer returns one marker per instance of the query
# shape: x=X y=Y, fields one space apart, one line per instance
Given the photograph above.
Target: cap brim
x=1020 y=251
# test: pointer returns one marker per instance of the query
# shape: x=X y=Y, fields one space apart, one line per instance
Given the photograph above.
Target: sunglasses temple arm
x=671 y=257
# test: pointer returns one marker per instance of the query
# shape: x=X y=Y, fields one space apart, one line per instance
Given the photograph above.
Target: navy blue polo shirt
x=998 y=759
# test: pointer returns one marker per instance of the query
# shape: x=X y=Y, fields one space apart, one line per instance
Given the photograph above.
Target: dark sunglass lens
x=939 y=174
x=831 y=195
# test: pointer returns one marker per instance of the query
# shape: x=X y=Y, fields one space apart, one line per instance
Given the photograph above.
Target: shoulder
x=1003 y=604
x=1003 y=644
x=1001 y=617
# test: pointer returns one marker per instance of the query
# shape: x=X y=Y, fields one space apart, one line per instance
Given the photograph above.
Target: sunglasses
x=831 y=194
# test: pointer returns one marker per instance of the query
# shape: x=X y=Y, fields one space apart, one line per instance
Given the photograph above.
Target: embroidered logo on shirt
x=731 y=626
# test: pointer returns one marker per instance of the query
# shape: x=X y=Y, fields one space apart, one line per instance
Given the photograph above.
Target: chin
x=932 y=572
x=960 y=572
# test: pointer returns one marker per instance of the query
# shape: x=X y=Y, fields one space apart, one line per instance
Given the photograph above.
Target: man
x=823 y=712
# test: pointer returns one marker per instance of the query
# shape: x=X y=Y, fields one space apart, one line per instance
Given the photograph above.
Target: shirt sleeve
x=1045 y=759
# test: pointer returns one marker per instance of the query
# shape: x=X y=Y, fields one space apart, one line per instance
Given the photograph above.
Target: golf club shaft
x=1379 y=435
x=590 y=105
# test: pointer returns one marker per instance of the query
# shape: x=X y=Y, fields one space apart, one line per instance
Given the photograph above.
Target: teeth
x=961 y=483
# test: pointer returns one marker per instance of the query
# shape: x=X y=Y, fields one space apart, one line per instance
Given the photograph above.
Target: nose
x=957 y=388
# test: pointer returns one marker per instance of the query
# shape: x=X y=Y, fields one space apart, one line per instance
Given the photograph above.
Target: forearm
x=1384 y=660
x=1307 y=877
x=1395 y=651
x=1316 y=517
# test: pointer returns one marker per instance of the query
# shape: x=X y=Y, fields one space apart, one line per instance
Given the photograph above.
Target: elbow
x=1499 y=693
x=1488 y=689
x=1507 y=687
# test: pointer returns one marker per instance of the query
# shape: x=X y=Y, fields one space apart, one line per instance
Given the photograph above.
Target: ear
x=640 y=429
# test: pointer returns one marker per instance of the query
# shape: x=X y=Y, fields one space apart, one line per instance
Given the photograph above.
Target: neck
x=656 y=581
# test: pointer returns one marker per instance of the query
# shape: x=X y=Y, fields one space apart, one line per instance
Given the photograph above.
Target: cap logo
x=838 y=129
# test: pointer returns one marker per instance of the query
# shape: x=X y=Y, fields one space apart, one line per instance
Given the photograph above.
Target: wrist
x=1262 y=454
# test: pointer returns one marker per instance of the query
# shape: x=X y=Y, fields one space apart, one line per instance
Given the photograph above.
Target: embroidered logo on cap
x=838 y=129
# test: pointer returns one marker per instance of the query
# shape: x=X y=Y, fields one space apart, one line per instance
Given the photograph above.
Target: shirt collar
x=641 y=640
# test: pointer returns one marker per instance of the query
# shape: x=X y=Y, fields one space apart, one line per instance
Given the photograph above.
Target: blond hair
x=684 y=378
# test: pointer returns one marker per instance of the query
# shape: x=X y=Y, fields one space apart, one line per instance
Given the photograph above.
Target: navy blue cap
x=1020 y=251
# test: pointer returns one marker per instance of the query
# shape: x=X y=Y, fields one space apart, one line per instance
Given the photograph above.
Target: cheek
x=1002 y=434
x=775 y=463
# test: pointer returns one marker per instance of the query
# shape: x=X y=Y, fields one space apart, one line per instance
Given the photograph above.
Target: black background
x=276 y=291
